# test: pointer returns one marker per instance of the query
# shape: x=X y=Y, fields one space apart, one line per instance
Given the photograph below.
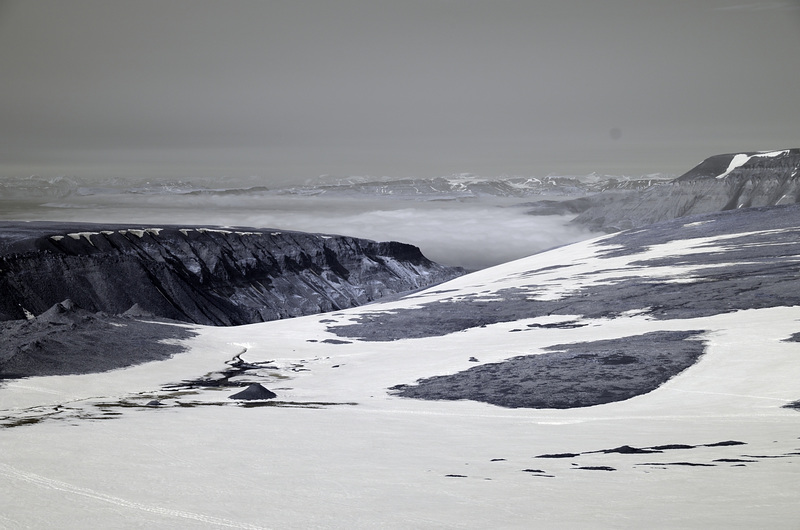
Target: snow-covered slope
x=161 y=445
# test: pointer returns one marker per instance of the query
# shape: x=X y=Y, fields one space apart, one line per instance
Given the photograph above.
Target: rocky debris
x=336 y=341
x=253 y=392
x=234 y=376
x=687 y=464
x=793 y=405
x=628 y=450
x=200 y=275
x=630 y=457
x=538 y=473
x=631 y=450
x=721 y=182
x=67 y=339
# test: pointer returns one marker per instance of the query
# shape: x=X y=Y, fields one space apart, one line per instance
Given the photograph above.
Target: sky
x=292 y=90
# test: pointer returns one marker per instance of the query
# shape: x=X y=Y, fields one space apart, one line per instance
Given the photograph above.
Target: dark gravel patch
x=573 y=375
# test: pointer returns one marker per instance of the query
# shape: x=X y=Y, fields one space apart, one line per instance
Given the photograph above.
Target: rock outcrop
x=719 y=183
x=200 y=275
x=253 y=392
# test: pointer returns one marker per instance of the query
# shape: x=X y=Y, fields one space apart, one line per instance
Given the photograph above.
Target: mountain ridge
x=719 y=183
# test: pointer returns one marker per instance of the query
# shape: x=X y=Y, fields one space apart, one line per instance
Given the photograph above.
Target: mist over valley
x=463 y=220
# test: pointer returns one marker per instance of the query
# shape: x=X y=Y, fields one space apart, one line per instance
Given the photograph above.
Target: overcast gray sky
x=297 y=88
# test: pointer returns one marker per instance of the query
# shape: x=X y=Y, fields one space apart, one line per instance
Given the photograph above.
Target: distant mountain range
x=605 y=202
x=472 y=186
x=454 y=187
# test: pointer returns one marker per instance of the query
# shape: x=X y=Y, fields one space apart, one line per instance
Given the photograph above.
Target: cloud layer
x=473 y=234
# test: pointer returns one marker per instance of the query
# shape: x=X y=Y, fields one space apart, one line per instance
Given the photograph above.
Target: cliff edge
x=210 y=276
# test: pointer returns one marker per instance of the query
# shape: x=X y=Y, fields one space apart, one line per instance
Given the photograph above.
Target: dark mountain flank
x=719 y=183
x=209 y=276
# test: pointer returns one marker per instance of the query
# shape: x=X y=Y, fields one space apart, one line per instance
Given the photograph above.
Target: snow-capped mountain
x=647 y=378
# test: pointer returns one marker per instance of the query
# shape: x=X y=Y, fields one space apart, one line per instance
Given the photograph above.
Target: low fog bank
x=473 y=234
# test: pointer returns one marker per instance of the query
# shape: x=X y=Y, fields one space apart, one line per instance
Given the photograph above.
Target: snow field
x=370 y=459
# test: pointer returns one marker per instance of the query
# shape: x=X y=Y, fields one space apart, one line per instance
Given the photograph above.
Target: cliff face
x=719 y=183
x=205 y=276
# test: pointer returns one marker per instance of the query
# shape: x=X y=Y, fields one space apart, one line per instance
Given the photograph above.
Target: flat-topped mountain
x=719 y=183
x=200 y=275
x=757 y=163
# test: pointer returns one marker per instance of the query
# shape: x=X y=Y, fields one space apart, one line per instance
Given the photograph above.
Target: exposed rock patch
x=573 y=375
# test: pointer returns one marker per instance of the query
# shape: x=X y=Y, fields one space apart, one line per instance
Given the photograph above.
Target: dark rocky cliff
x=719 y=183
x=200 y=275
